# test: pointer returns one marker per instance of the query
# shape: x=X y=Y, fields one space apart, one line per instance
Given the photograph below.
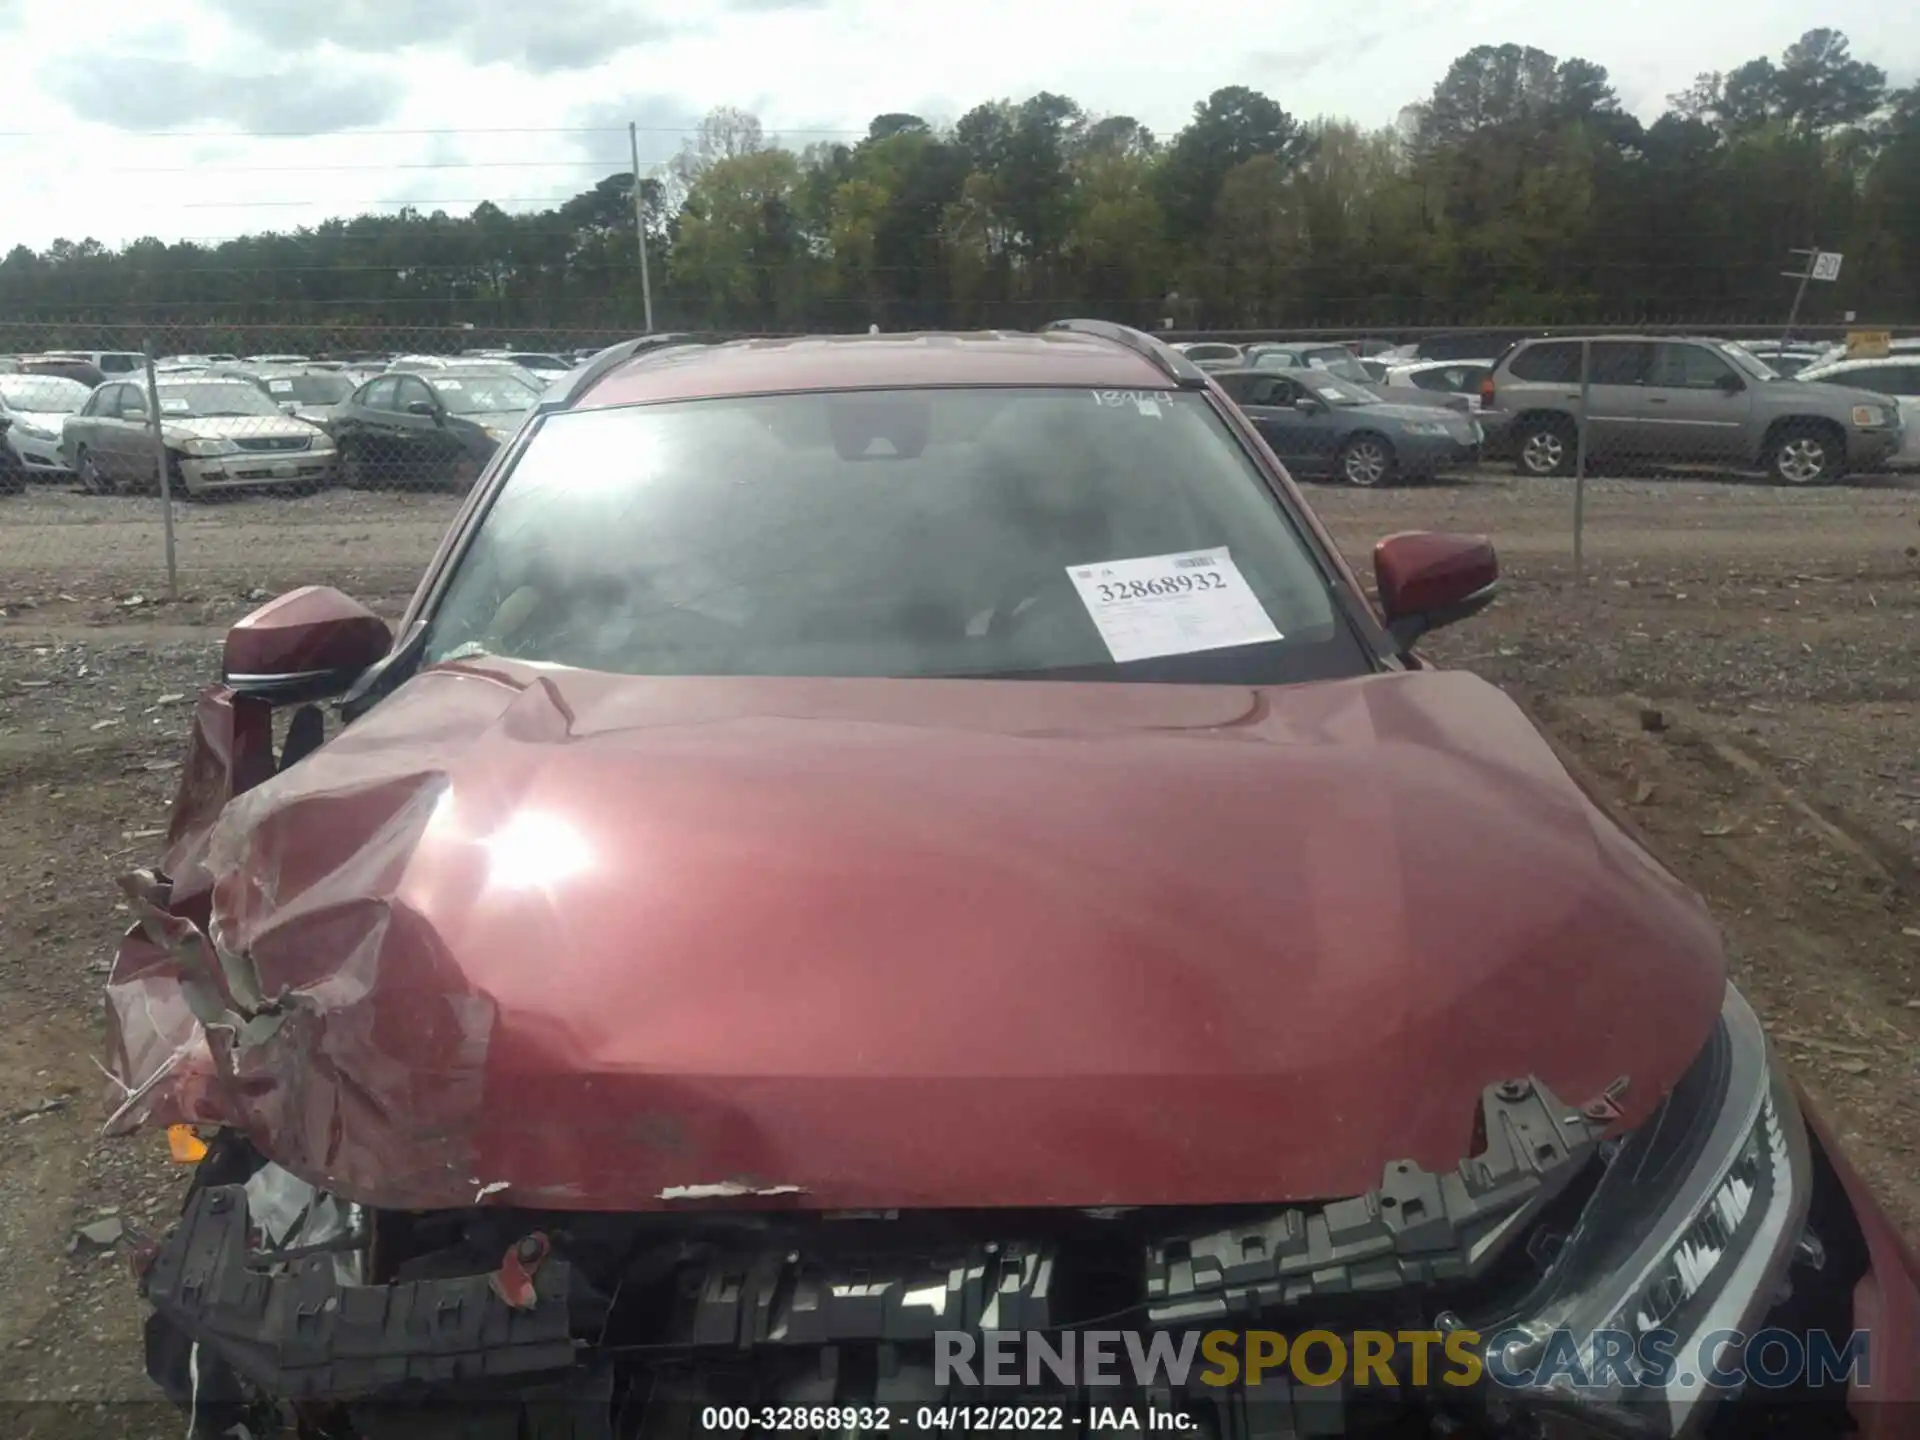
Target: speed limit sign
x=1826 y=265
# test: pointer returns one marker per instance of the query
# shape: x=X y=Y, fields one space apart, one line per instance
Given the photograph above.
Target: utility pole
x=640 y=222
x=1803 y=275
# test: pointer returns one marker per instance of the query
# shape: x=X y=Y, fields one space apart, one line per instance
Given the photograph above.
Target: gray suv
x=1684 y=400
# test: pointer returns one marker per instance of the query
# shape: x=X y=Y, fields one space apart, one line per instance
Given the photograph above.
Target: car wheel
x=1803 y=457
x=91 y=478
x=1545 y=447
x=353 y=468
x=1365 y=461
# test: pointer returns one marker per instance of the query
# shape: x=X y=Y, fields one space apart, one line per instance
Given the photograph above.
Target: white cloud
x=134 y=128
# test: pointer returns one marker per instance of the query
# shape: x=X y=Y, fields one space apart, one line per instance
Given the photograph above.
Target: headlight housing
x=1687 y=1231
x=1425 y=427
x=1870 y=417
x=208 y=446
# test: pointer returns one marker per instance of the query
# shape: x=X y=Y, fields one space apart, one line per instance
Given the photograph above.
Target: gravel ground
x=1775 y=632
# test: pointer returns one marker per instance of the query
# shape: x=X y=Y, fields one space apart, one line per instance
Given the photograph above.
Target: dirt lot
x=1776 y=633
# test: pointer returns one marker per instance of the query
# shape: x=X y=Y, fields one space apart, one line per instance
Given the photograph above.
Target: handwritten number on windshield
x=1160 y=585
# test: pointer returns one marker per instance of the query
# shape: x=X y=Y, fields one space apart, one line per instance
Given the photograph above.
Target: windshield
x=1213 y=352
x=482 y=394
x=1338 y=361
x=1755 y=367
x=210 y=399
x=914 y=533
x=42 y=394
x=322 y=389
x=1332 y=391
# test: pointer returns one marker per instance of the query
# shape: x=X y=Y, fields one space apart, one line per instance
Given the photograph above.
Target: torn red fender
x=158 y=1055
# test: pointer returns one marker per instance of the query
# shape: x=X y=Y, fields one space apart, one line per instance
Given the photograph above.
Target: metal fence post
x=160 y=460
x=1580 y=464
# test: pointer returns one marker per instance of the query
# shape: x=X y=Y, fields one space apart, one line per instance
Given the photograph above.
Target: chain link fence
x=375 y=432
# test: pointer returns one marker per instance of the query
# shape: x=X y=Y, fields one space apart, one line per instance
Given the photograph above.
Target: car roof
x=1633 y=339
x=791 y=365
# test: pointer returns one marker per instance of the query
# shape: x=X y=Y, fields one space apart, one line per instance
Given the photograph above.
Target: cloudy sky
x=209 y=118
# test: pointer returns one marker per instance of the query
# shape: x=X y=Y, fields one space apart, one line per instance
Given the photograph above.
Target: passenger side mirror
x=423 y=407
x=1310 y=405
x=289 y=407
x=309 y=644
x=1428 y=579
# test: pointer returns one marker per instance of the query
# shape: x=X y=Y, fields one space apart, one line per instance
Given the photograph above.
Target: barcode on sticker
x=1194 y=562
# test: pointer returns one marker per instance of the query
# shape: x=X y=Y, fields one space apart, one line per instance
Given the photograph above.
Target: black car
x=427 y=429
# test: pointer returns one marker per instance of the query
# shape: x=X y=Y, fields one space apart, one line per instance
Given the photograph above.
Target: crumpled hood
x=580 y=940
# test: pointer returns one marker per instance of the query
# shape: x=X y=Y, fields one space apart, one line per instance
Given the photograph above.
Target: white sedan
x=38 y=406
x=1897 y=376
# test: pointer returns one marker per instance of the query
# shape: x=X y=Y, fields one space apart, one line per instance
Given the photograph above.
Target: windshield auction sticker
x=1172 y=604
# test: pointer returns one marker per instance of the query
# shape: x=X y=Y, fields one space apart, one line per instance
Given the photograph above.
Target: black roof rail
x=578 y=382
x=1169 y=361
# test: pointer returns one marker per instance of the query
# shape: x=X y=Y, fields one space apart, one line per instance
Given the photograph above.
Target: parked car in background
x=548 y=366
x=429 y=428
x=1785 y=360
x=220 y=434
x=1325 y=355
x=1684 y=400
x=1211 y=352
x=36 y=408
x=110 y=362
x=277 y=360
x=1897 y=377
x=308 y=394
x=1321 y=425
x=535 y=380
x=72 y=367
x=1339 y=362
x=1459 y=378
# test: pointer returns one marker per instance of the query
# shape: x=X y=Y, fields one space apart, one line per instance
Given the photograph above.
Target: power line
x=404 y=204
x=770 y=132
x=623 y=165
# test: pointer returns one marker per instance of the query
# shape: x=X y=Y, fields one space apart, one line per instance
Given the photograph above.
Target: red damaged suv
x=863 y=840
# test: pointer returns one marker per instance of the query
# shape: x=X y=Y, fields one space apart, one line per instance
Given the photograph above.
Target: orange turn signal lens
x=187 y=1147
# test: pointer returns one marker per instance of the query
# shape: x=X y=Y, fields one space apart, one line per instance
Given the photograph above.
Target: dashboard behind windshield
x=901 y=533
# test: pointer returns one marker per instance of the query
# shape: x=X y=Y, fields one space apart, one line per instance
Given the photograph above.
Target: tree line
x=1518 y=192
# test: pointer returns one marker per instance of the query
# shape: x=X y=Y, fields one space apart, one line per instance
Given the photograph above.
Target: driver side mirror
x=423 y=407
x=309 y=644
x=1310 y=405
x=1428 y=579
x=1730 y=384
